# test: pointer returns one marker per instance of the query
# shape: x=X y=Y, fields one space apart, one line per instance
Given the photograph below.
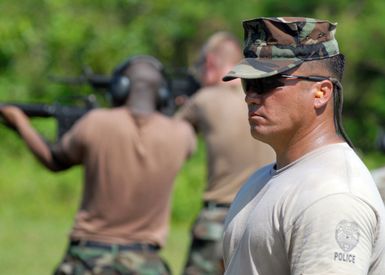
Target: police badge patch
x=347 y=235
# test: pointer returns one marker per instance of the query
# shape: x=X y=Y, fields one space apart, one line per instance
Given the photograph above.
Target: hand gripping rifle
x=65 y=116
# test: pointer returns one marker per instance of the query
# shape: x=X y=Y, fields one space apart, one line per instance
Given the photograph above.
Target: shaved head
x=219 y=54
x=225 y=46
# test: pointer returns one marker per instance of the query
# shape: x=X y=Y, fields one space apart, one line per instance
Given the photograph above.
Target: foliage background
x=40 y=38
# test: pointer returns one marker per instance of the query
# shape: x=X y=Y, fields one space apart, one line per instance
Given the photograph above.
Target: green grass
x=35 y=246
x=32 y=246
x=37 y=209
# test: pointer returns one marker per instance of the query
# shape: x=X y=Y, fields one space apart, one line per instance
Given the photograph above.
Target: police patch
x=347 y=235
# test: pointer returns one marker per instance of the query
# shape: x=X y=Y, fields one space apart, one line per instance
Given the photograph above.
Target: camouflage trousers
x=85 y=260
x=205 y=255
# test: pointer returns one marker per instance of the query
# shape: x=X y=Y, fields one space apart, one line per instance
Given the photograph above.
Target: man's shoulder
x=212 y=91
x=175 y=124
x=106 y=116
x=177 y=131
x=202 y=95
x=334 y=161
x=331 y=171
x=182 y=126
x=97 y=113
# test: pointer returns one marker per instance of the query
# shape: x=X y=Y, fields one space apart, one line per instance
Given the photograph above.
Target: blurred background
x=43 y=39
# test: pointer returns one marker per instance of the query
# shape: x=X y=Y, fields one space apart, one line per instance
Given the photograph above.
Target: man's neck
x=141 y=103
x=299 y=145
x=141 y=109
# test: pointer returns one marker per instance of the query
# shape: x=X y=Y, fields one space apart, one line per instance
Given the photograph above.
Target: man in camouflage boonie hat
x=316 y=210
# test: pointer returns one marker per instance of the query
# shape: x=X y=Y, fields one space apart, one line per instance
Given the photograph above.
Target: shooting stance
x=218 y=111
x=316 y=210
x=131 y=155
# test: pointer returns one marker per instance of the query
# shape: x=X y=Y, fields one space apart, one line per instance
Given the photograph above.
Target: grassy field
x=37 y=209
x=33 y=246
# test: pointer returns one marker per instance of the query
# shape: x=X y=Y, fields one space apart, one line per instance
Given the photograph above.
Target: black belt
x=211 y=204
x=120 y=247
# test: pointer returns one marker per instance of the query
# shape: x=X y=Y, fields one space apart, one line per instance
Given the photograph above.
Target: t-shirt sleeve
x=189 y=112
x=71 y=147
x=190 y=138
x=335 y=235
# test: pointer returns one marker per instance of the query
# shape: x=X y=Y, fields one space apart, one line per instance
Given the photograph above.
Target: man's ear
x=323 y=93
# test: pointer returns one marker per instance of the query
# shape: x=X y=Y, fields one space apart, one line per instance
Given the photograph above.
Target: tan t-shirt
x=220 y=114
x=130 y=166
x=321 y=214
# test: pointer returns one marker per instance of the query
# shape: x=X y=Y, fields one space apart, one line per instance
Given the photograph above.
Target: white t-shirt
x=322 y=214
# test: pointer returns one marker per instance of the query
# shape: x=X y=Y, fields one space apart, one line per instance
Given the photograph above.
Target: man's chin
x=258 y=135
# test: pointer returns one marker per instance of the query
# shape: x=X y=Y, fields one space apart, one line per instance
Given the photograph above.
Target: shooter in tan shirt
x=131 y=155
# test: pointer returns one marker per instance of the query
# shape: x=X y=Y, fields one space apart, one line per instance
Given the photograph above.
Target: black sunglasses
x=264 y=85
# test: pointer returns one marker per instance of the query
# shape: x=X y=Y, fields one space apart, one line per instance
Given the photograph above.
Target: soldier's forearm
x=36 y=144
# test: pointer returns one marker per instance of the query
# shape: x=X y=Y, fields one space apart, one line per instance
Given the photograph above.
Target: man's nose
x=253 y=98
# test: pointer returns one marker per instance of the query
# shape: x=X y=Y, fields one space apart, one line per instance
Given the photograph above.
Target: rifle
x=96 y=81
x=65 y=116
x=182 y=84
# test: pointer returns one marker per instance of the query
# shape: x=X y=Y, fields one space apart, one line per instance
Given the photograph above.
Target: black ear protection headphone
x=119 y=88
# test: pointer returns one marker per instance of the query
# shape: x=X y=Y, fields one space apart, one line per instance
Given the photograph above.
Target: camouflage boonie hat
x=277 y=44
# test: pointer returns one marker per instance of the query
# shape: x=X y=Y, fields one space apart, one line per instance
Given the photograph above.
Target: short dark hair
x=334 y=65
